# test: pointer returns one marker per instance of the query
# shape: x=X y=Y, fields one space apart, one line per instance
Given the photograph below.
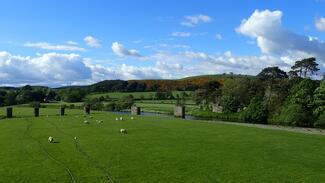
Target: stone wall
x=217 y=108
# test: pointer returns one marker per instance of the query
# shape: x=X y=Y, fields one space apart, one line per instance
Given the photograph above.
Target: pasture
x=156 y=149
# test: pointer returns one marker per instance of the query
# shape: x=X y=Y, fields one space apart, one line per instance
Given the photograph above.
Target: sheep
x=75 y=138
x=50 y=139
x=132 y=118
x=100 y=121
x=123 y=131
x=86 y=122
x=121 y=118
x=116 y=119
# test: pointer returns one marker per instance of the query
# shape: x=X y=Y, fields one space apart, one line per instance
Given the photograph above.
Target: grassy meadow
x=156 y=149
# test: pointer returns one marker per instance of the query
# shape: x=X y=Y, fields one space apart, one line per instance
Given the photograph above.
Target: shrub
x=320 y=122
x=294 y=114
x=256 y=112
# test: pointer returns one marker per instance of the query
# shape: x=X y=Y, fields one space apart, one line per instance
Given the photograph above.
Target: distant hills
x=188 y=83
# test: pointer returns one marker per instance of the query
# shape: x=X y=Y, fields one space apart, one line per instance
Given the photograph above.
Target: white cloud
x=72 y=43
x=181 y=34
x=194 y=20
x=320 y=24
x=59 y=47
x=218 y=36
x=121 y=51
x=272 y=38
x=50 y=69
x=92 y=41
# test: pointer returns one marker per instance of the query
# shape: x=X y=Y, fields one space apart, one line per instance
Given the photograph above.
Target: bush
x=295 y=115
x=229 y=104
x=256 y=112
x=320 y=122
x=110 y=106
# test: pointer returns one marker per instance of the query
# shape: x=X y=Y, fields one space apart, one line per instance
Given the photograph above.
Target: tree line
x=273 y=97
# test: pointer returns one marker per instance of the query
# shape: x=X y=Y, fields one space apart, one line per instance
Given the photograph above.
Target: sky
x=80 y=42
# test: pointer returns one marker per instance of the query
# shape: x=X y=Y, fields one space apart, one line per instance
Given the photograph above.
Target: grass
x=161 y=107
x=156 y=149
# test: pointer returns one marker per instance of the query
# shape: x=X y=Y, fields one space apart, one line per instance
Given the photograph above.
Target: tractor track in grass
x=84 y=154
x=46 y=153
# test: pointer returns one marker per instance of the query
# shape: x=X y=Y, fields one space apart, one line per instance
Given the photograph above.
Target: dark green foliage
x=256 y=111
x=229 y=103
x=295 y=115
x=72 y=95
x=299 y=104
x=10 y=98
x=305 y=66
x=94 y=103
x=272 y=73
x=319 y=100
x=320 y=122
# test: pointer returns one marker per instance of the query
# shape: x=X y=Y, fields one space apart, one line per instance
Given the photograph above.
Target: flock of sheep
x=122 y=130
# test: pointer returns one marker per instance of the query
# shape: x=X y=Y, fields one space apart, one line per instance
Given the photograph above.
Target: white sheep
x=132 y=118
x=75 y=138
x=116 y=119
x=121 y=118
x=86 y=122
x=50 y=139
x=123 y=131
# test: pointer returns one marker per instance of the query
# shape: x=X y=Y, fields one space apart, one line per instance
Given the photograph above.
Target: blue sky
x=80 y=42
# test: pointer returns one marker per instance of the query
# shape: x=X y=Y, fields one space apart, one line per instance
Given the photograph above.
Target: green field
x=136 y=95
x=156 y=149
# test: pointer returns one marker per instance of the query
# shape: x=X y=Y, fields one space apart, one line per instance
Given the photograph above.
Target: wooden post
x=36 y=112
x=62 y=111
x=9 y=112
x=87 y=109
x=135 y=110
x=179 y=111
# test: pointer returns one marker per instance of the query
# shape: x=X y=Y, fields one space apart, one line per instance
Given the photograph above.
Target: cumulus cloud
x=320 y=24
x=92 y=41
x=194 y=20
x=272 y=38
x=53 y=47
x=50 y=69
x=181 y=34
x=121 y=51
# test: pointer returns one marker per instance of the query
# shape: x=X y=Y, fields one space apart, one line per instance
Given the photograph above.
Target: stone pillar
x=87 y=109
x=9 y=112
x=179 y=111
x=135 y=110
x=62 y=111
x=36 y=112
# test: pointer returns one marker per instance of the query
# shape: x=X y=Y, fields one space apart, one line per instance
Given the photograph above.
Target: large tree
x=305 y=66
x=272 y=73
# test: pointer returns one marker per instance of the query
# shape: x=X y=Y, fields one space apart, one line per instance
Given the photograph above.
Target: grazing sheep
x=50 y=139
x=100 y=121
x=132 y=118
x=121 y=118
x=116 y=119
x=86 y=122
x=75 y=138
x=123 y=131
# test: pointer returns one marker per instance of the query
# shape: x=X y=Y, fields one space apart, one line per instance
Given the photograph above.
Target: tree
x=298 y=108
x=256 y=111
x=229 y=103
x=272 y=73
x=305 y=66
x=319 y=101
x=10 y=98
